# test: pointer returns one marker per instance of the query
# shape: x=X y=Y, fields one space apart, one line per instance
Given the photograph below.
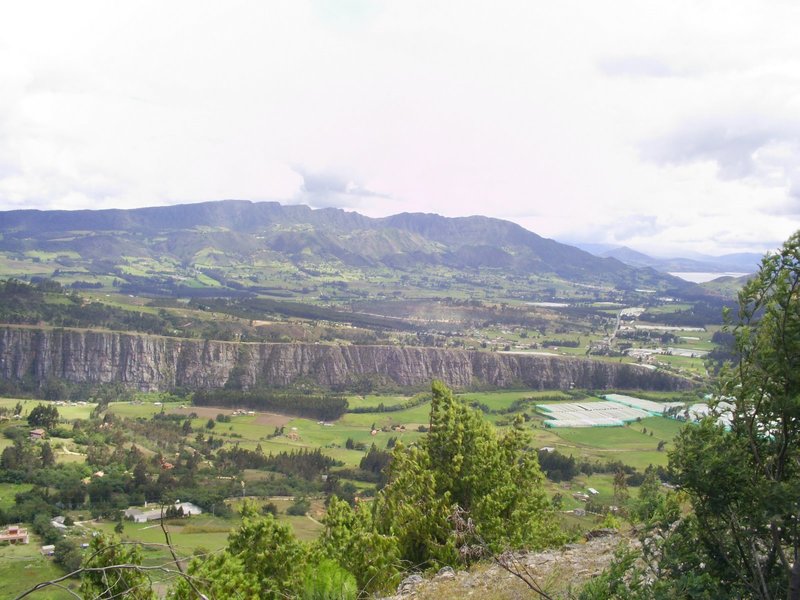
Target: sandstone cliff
x=160 y=363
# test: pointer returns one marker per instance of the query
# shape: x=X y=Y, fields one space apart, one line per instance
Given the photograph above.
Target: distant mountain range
x=742 y=262
x=238 y=242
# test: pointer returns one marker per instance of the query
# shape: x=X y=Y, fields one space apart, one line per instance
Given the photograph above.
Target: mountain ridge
x=745 y=262
x=235 y=231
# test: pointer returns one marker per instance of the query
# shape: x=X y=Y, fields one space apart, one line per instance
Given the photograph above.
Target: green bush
x=328 y=581
x=299 y=508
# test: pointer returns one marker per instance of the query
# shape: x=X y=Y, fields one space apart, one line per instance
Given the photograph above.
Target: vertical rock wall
x=159 y=363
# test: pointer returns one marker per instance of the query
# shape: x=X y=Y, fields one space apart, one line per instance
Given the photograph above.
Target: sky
x=671 y=127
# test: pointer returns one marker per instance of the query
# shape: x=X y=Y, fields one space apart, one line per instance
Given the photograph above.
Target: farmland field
x=23 y=566
x=65 y=411
x=347 y=440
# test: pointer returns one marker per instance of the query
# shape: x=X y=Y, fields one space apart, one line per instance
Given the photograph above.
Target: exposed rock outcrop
x=558 y=571
x=158 y=363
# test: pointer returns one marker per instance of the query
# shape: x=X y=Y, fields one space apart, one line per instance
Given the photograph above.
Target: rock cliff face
x=159 y=363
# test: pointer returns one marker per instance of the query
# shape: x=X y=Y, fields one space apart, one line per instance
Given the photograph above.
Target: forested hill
x=228 y=236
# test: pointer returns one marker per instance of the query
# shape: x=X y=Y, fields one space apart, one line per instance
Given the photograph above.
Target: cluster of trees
x=326 y=407
x=22 y=302
x=128 y=477
x=561 y=467
x=24 y=457
x=412 y=402
x=43 y=415
x=304 y=463
x=560 y=343
x=371 y=468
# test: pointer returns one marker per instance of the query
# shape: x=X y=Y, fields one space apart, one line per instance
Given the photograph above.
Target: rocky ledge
x=149 y=362
x=556 y=571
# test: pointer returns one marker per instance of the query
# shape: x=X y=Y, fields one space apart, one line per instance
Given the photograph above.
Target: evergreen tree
x=48 y=457
x=263 y=561
x=350 y=539
x=462 y=464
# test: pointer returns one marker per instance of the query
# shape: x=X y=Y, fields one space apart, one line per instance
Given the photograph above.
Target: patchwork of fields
x=396 y=418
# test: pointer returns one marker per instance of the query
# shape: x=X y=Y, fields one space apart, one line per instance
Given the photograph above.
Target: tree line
x=327 y=407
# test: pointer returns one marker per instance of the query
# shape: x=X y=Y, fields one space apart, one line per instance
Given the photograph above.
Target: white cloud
x=659 y=125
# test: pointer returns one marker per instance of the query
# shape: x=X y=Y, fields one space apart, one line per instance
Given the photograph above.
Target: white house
x=139 y=515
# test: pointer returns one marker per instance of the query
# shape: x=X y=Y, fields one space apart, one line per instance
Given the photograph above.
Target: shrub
x=328 y=581
x=299 y=508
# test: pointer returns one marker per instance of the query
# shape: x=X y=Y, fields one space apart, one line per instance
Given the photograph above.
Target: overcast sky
x=667 y=126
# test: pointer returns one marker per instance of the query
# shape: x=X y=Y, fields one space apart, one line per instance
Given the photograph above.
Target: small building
x=48 y=550
x=592 y=491
x=37 y=434
x=138 y=515
x=14 y=534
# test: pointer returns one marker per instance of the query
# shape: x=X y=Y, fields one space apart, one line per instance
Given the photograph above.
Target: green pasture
x=693 y=365
x=11 y=267
x=50 y=256
x=628 y=444
x=503 y=400
x=71 y=413
x=27 y=404
x=672 y=307
x=602 y=482
x=9 y=490
x=131 y=410
x=332 y=439
x=198 y=531
x=305 y=527
x=244 y=426
x=372 y=401
x=65 y=411
x=416 y=416
x=22 y=566
x=618 y=438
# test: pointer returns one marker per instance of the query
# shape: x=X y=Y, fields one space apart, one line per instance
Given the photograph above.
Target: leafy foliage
x=742 y=539
x=463 y=463
x=263 y=561
x=351 y=540
x=111 y=571
x=744 y=484
x=328 y=581
x=43 y=415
